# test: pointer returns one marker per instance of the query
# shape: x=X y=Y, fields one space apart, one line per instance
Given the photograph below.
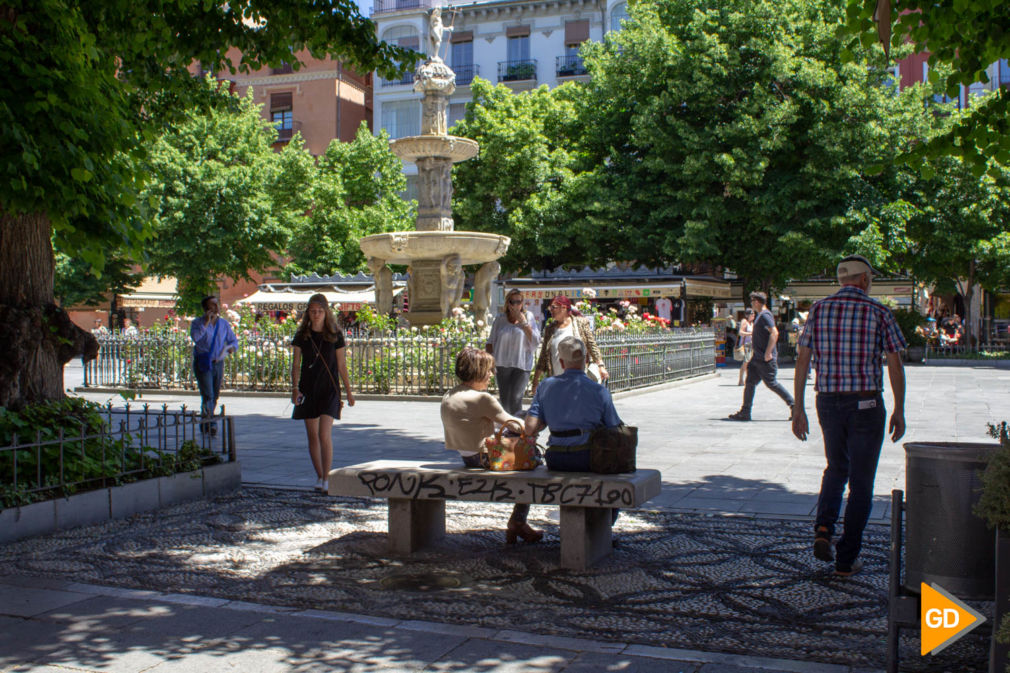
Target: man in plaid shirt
x=848 y=335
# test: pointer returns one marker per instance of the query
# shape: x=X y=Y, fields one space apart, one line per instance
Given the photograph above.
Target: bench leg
x=415 y=523
x=585 y=536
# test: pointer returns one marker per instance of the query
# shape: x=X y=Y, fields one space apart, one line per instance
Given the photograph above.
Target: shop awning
x=716 y=289
x=602 y=291
x=291 y=300
x=152 y=293
x=813 y=290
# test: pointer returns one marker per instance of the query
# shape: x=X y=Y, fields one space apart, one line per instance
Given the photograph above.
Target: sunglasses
x=556 y=307
x=515 y=301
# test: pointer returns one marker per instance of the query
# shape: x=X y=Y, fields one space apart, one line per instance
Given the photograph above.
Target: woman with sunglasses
x=566 y=321
x=513 y=343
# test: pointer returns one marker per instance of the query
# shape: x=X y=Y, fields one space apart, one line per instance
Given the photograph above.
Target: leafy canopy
x=963 y=39
x=353 y=191
x=82 y=82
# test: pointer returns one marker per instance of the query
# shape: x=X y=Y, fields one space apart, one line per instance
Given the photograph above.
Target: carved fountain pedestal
x=435 y=253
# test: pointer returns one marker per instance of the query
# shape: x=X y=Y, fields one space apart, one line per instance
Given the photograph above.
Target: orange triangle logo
x=944 y=619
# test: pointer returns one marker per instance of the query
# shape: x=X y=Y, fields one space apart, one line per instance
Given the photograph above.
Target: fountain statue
x=435 y=252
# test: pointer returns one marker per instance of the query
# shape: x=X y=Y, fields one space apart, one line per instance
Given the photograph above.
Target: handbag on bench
x=506 y=453
x=612 y=450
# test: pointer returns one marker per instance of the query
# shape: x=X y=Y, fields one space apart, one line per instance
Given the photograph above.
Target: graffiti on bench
x=491 y=488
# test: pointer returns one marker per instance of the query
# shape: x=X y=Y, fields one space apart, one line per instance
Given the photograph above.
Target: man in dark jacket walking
x=763 y=365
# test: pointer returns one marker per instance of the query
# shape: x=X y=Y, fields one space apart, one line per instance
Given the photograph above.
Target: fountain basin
x=413 y=148
x=404 y=247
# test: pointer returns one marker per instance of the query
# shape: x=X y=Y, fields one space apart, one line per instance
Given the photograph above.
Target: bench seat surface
x=429 y=480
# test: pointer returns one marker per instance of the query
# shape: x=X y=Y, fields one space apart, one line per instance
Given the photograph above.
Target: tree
x=81 y=83
x=948 y=230
x=962 y=39
x=354 y=191
x=78 y=284
x=518 y=185
x=211 y=190
x=731 y=132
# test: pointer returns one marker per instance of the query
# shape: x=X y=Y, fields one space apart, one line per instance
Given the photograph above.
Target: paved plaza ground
x=222 y=595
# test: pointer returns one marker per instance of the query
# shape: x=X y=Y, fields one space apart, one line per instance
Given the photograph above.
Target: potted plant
x=911 y=321
x=994 y=506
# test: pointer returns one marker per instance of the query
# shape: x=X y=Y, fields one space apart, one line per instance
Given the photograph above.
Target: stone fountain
x=435 y=253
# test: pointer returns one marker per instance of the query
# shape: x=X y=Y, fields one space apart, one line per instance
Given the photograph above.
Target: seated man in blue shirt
x=570 y=405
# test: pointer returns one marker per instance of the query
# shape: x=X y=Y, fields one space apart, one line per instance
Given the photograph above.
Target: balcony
x=383 y=6
x=466 y=73
x=517 y=71
x=570 y=66
x=406 y=78
x=287 y=132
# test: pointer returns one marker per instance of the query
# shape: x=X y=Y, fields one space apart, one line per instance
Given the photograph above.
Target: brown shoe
x=523 y=530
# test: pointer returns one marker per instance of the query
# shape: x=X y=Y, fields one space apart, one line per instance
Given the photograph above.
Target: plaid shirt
x=847 y=334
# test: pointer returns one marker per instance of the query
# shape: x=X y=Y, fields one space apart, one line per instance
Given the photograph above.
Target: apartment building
x=323 y=99
x=915 y=69
x=519 y=43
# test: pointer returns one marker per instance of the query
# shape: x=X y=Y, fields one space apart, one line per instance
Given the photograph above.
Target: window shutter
x=280 y=101
x=517 y=31
x=462 y=36
x=576 y=32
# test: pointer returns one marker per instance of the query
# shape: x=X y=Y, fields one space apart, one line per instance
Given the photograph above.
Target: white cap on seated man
x=570 y=405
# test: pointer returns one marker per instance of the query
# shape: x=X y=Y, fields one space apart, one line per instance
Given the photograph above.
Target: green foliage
x=519 y=184
x=994 y=503
x=910 y=321
x=370 y=319
x=88 y=458
x=352 y=192
x=731 y=133
x=962 y=39
x=83 y=82
x=78 y=283
x=210 y=197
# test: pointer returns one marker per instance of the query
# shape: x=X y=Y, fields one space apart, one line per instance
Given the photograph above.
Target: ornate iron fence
x=129 y=445
x=405 y=362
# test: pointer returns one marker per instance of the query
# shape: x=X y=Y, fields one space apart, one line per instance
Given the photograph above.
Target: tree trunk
x=38 y=336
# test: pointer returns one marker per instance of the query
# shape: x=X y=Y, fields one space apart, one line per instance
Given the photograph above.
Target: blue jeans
x=210 y=387
x=852 y=441
x=511 y=386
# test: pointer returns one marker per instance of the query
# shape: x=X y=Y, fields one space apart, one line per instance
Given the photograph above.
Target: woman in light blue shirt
x=513 y=342
x=213 y=339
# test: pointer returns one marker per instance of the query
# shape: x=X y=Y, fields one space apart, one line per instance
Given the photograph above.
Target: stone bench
x=417 y=492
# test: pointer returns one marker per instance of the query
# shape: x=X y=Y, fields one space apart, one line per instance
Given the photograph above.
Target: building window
x=402 y=118
x=617 y=14
x=570 y=64
x=518 y=48
x=456 y=112
x=284 y=69
x=461 y=55
x=407 y=38
x=281 y=115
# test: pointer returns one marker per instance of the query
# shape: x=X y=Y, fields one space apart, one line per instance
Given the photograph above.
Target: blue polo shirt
x=572 y=401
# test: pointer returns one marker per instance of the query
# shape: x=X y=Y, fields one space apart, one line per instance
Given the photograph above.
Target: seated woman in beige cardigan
x=469 y=414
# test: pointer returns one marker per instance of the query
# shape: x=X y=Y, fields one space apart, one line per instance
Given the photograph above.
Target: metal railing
x=514 y=71
x=405 y=78
x=381 y=6
x=637 y=361
x=130 y=445
x=570 y=66
x=466 y=73
x=404 y=362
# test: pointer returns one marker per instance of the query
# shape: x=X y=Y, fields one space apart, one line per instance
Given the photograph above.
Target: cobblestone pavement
x=729 y=585
x=720 y=565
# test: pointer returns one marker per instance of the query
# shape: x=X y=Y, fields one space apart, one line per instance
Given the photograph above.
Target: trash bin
x=945 y=542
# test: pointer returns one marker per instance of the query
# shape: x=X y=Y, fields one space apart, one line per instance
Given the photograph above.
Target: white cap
x=854 y=265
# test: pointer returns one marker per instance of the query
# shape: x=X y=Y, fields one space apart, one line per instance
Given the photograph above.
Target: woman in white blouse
x=513 y=342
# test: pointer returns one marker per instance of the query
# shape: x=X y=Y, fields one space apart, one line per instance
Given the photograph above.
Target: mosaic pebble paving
x=712 y=583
